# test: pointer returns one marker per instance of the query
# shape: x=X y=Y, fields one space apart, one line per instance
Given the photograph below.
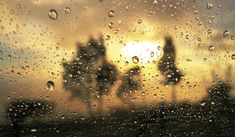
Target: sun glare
x=143 y=51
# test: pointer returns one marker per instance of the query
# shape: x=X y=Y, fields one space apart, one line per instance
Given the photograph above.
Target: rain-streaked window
x=105 y=68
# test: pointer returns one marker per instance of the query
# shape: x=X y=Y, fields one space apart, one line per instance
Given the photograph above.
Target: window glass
x=117 y=68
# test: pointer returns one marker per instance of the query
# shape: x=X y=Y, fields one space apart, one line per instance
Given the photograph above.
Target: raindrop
x=116 y=31
x=110 y=25
x=83 y=118
x=111 y=13
x=209 y=6
x=18 y=73
x=188 y=60
x=209 y=31
x=233 y=56
x=53 y=14
x=0 y=52
x=50 y=85
x=155 y=2
x=126 y=62
x=200 y=23
x=232 y=37
x=11 y=11
x=107 y=37
x=211 y=48
x=9 y=56
x=33 y=130
x=187 y=36
x=139 y=21
x=152 y=54
x=155 y=95
x=199 y=45
x=199 y=39
x=120 y=22
x=67 y=10
x=18 y=6
x=196 y=12
x=226 y=33
x=135 y=59
x=159 y=48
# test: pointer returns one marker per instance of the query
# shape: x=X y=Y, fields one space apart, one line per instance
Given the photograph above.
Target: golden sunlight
x=144 y=52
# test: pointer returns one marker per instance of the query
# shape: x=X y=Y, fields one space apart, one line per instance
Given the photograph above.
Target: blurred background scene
x=117 y=68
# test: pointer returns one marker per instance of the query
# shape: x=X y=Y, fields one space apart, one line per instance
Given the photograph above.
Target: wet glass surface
x=104 y=68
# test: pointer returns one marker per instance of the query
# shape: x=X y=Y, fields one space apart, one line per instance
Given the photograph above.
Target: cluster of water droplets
x=53 y=14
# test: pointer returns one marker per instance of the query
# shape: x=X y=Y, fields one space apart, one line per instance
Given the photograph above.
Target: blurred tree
x=106 y=78
x=89 y=73
x=168 y=67
x=220 y=89
x=220 y=104
x=131 y=82
x=19 y=110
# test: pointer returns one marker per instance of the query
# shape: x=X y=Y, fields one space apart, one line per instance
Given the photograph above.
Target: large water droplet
x=187 y=36
x=211 y=48
x=18 y=73
x=53 y=14
x=9 y=56
x=18 y=6
x=107 y=37
x=233 y=56
x=111 y=13
x=126 y=62
x=209 y=31
x=50 y=85
x=11 y=11
x=110 y=25
x=226 y=33
x=199 y=44
x=152 y=54
x=116 y=31
x=199 y=39
x=33 y=130
x=67 y=10
x=232 y=37
x=83 y=118
x=209 y=6
x=135 y=59
x=139 y=21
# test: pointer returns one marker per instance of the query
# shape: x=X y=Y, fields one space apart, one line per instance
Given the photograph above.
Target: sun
x=141 y=52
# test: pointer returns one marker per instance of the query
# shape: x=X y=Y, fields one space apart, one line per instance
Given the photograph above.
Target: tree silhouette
x=19 y=110
x=89 y=73
x=167 y=66
x=220 y=89
x=106 y=78
x=219 y=103
x=130 y=83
